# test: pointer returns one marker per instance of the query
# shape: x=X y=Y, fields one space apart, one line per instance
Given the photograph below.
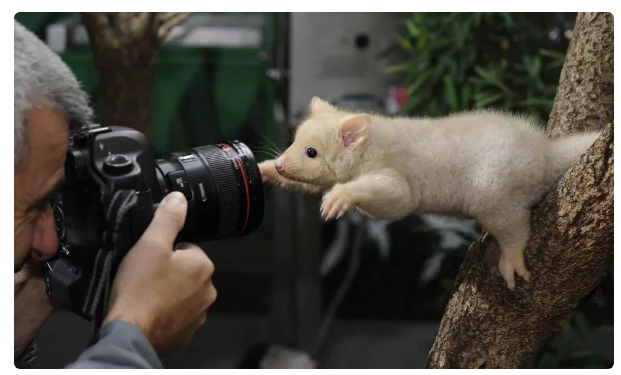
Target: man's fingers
x=168 y=220
x=196 y=257
x=212 y=294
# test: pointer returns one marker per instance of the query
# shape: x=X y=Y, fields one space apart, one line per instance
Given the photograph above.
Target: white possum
x=485 y=165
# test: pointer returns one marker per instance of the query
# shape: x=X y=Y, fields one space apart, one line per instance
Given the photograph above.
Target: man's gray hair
x=42 y=78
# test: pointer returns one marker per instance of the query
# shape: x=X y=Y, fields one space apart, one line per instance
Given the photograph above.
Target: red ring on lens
x=243 y=173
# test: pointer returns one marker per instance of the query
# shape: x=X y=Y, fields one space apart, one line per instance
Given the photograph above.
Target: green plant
x=458 y=61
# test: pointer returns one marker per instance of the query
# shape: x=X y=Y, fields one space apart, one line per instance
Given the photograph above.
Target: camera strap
x=98 y=294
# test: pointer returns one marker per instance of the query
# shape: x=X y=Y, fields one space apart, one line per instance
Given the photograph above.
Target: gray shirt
x=118 y=344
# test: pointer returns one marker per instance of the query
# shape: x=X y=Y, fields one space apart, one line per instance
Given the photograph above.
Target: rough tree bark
x=487 y=326
x=125 y=49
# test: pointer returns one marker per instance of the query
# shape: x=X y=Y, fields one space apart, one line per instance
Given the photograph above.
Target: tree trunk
x=485 y=325
x=585 y=97
x=125 y=48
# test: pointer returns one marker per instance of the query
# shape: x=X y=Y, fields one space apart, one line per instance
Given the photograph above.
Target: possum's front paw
x=510 y=264
x=268 y=171
x=336 y=202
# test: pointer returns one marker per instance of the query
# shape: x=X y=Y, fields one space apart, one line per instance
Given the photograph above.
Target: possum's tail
x=566 y=151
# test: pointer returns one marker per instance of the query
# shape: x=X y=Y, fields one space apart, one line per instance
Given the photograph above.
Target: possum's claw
x=336 y=202
x=509 y=267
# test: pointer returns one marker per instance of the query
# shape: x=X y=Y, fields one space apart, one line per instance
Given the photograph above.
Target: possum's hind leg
x=511 y=228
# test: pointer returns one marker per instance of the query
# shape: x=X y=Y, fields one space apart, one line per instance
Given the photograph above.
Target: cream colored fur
x=486 y=165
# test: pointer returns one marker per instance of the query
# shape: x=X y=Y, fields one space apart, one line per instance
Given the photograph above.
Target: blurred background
x=355 y=293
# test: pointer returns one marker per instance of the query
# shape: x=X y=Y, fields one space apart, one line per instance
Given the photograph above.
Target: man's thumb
x=168 y=220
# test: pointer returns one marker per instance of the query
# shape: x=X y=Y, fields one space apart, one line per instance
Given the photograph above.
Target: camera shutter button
x=117 y=164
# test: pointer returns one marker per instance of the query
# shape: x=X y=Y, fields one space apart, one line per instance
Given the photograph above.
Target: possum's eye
x=311 y=152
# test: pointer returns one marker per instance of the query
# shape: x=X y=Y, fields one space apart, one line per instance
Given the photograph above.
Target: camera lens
x=223 y=186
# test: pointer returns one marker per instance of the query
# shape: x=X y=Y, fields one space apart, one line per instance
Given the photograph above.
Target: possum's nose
x=279 y=164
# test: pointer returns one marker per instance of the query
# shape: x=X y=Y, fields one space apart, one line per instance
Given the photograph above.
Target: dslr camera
x=112 y=187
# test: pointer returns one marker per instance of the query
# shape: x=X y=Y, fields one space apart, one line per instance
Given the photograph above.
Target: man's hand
x=31 y=305
x=166 y=293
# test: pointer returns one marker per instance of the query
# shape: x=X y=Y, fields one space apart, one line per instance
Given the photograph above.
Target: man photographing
x=159 y=297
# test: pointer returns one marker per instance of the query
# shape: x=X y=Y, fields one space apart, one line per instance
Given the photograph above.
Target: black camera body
x=112 y=187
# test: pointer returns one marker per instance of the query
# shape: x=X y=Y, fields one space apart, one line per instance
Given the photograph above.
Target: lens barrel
x=223 y=186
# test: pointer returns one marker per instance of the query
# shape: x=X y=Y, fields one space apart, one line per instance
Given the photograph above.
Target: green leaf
x=450 y=93
x=537 y=102
x=422 y=39
x=554 y=65
x=476 y=80
x=483 y=100
x=399 y=68
x=418 y=83
x=412 y=29
x=558 y=58
x=488 y=76
x=491 y=78
x=551 y=54
x=405 y=43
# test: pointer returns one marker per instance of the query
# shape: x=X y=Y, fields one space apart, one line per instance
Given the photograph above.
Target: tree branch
x=169 y=20
x=133 y=25
x=142 y=22
x=99 y=29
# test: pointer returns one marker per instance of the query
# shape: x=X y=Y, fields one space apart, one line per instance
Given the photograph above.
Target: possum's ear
x=317 y=105
x=354 y=129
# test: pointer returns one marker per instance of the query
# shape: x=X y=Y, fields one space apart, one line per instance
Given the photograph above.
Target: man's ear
x=354 y=129
x=317 y=105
